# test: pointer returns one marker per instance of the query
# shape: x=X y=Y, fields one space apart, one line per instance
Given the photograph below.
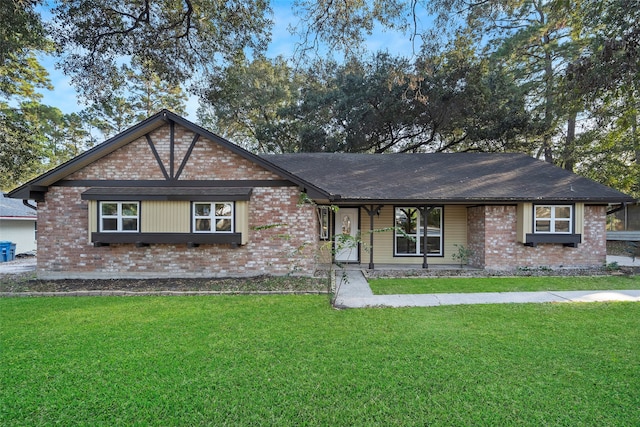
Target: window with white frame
x=410 y=231
x=119 y=217
x=553 y=219
x=213 y=217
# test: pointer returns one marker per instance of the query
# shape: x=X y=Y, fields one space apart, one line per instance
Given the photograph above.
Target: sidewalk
x=353 y=291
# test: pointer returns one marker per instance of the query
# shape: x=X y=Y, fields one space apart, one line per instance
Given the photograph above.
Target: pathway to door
x=353 y=291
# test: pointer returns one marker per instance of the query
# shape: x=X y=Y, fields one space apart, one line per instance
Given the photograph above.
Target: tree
x=468 y=102
x=21 y=76
x=148 y=93
x=342 y=25
x=140 y=94
x=606 y=78
x=60 y=136
x=111 y=115
x=451 y=100
x=249 y=103
x=179 y=40
x=365 y=106
x=18 y=159
x=21 y=29
x=447 y=101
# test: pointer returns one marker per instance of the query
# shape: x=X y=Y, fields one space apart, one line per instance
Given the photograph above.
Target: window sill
x=569 y=240
x=145 y=239
x=434 y=255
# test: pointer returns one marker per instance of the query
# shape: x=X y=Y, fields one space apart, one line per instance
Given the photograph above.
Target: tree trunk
x=548 y=102
x=636 y=147
x=569 y=155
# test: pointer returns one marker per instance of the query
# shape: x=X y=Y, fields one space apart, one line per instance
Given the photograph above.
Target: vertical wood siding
x=242 y=220
x=579 y=218
x=165 y=216
x=93 y=218
x=524 y=222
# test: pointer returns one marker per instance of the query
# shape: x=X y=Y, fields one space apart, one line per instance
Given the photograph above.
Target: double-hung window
x=410 y=228
x=213 y=217
x=119 y=217
x=553 y=219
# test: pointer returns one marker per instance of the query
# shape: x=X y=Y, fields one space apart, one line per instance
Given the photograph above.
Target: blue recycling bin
x=5 y=250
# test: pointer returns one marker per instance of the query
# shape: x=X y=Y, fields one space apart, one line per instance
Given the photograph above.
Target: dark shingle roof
x=442 y=177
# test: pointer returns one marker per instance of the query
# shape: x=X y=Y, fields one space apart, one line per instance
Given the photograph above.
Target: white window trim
x=419 y=236
x=213 y=217
x=553 y=219
x=118 y=217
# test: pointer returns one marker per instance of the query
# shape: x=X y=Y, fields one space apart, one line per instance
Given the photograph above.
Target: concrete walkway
x=623 y=261
x=353 y=291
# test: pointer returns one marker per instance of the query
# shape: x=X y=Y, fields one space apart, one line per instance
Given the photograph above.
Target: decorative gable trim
x=36 y=188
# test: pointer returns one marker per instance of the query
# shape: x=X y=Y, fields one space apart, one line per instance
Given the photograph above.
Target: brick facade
x=283 y=236
x=492 y=237
x=65 y=250
x=208 y=161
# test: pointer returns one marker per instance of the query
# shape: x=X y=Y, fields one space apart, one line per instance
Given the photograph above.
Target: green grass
x=500 y=284
x=285 y=360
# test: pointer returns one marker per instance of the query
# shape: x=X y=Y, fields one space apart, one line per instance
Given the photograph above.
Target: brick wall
x=492 y=237
x=65 y=250
x=208 y=160
x=475 y=236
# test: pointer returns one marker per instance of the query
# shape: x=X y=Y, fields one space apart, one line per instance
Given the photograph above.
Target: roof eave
x=476 y=201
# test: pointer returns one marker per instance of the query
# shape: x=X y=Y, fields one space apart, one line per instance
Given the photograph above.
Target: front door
x=346 y=234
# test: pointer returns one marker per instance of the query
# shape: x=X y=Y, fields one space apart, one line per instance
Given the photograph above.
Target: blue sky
x=283 y=43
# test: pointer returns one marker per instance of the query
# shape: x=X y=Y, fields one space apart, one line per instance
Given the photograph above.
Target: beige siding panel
x=455 y=232
x=382 y=241
x=524 y=222
x=165 y=216
x=93 y=217
x=242 y=220
x=579 y=217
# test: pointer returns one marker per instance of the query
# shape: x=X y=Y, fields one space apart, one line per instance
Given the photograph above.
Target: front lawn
x=294 y=360
x=438 y=285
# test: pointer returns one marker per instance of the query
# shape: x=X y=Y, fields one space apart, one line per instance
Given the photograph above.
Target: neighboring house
x=18 y=224
x=623 y=223
x=168 y=198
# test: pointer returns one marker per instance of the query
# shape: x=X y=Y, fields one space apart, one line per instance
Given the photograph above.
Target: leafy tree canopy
x=178 y=40
x=553 y=78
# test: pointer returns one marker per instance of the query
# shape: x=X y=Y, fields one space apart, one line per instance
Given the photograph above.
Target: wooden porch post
x=371 y=211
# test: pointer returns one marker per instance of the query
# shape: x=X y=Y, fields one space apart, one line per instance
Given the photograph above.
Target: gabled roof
x=442 y=177
x=40 y=183
x=389 y=178
x=11 y=208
